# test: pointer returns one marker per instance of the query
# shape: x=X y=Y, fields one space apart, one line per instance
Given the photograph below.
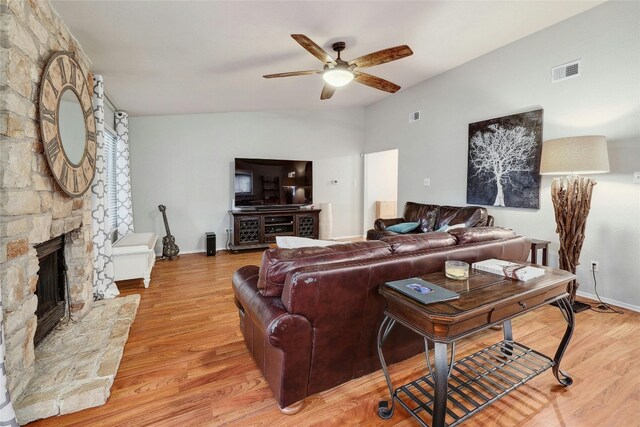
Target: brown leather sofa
x=310 y=316
x=431 y=218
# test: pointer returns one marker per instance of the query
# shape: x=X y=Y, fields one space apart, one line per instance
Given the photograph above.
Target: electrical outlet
x=595 y=265
x=636 y=177
x=427 y=182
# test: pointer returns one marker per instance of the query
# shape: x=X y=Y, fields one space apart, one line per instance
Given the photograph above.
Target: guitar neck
x=166 y=223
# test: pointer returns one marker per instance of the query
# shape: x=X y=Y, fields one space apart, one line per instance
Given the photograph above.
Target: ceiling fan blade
x=327 y=92
x=293 y=73
x=375 y=82
x=313 y=48
x=382 y=56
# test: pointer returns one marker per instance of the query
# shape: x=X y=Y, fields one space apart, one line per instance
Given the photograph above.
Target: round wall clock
x=67 y=124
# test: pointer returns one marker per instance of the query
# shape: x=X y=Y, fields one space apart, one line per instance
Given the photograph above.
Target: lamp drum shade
x=575 y=155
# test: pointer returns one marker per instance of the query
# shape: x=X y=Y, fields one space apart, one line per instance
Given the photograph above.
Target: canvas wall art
x=504 y=161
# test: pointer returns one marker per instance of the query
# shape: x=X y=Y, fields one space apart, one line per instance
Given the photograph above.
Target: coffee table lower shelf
x=475 y=381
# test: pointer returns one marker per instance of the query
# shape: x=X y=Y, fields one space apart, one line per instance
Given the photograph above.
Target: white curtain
x=103 y=284
x=7 y=415
x=123 y=178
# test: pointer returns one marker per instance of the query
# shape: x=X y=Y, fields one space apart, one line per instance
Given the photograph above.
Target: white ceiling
x=180 y=57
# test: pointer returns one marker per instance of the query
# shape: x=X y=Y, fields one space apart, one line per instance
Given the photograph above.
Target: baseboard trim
x=195 y=251
x=200 y=251
x=609 y=301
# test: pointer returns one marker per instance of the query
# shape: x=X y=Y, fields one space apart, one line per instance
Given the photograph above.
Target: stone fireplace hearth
x=77 y=362
x=19 y=283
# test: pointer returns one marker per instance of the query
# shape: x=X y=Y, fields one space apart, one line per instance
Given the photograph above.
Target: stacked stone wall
x=33 y=209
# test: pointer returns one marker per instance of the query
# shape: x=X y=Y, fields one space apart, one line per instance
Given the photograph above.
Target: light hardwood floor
x=185 y=364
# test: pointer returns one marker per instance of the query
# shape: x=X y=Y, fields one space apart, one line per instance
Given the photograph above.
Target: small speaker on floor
x=211 y=244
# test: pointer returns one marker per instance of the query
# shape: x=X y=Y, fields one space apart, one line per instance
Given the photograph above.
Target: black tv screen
x=264 y=183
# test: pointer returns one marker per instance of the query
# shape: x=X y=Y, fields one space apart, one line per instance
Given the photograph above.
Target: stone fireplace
x=32 y=209
x=72 y=232
x=73 y=366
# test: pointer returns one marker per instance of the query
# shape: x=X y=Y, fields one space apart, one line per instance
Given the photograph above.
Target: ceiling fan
x=337 y=72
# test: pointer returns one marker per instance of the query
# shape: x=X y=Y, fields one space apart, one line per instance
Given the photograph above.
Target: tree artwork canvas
x=504 y=161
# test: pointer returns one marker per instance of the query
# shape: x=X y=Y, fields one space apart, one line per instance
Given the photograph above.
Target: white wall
x=380 y=183
x=604 y=100
x=186 y=163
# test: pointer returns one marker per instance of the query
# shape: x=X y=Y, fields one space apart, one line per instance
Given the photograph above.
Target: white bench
x=134 y=257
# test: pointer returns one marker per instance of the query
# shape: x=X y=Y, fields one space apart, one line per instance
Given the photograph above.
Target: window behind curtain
x=111 y=194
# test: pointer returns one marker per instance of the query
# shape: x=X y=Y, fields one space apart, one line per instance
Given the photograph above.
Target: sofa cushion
x=417 y=242
x=471 y=216
x=403 y=227
x=381 y=223
x=481 y=234
x=278 y=262
x=426 y=215
x=428 y=222
x=303 y=242
x=134 y=243
x=451 y=227
x=137 y=239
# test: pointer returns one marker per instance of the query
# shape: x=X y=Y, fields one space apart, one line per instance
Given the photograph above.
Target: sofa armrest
x=245 y=285
x=382 y=224
x=279 y=342
x=267 y=313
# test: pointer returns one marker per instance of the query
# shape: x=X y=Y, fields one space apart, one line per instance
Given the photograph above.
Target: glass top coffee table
x=452 y=391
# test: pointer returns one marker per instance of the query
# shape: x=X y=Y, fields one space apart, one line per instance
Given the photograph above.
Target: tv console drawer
x=279 y=219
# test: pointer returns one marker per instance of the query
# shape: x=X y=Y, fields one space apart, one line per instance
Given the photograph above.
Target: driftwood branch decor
x=571 y=197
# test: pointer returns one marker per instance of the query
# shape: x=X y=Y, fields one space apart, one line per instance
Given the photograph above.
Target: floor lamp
x=571 y=194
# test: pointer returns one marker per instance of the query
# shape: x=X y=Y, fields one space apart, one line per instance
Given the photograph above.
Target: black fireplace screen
x=50 y=289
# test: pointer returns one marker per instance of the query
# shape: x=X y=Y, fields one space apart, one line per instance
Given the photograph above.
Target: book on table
x=422 y=291
x=508 y=269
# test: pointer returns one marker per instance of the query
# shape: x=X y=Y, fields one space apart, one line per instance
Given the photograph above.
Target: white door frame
x=376 y=184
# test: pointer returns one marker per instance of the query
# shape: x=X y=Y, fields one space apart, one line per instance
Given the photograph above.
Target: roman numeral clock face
x=67 y=124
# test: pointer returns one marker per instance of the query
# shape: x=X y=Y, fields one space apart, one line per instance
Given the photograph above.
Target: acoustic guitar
x=169 y=248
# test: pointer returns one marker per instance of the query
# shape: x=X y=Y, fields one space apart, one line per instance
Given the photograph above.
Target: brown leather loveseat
x=432 y=218
x=310 y=316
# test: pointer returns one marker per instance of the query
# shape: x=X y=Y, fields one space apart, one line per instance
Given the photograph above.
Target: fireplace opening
x=50 y=289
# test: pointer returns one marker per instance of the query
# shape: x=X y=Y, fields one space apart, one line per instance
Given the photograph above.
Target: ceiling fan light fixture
x=338 y=72
x=337 y=77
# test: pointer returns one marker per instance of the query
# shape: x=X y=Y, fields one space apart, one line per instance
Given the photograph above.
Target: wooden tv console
x=256 y=229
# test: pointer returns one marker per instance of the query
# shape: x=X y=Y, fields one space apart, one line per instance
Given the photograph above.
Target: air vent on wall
x=565 y=71
x=413 y=117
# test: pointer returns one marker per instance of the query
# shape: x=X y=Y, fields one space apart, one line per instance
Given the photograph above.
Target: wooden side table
x=535 y=246
x=453 y=390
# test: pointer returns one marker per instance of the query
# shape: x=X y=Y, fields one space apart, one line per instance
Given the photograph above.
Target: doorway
x=380 y=185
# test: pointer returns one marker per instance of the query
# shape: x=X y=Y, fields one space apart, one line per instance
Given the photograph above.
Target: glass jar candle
x=457 y=270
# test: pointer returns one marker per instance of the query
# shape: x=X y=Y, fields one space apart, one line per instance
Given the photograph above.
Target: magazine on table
x=422 y=291
x=509 y=269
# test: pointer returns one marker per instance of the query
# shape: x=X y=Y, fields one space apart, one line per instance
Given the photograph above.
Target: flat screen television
x=271 y=183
